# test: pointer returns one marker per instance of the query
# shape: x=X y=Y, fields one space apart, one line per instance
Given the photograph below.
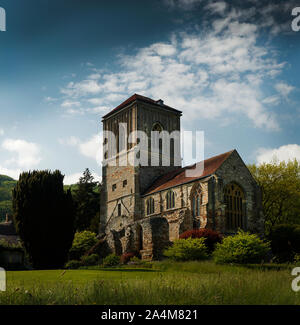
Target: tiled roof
x=178 y=176
x=141 y=98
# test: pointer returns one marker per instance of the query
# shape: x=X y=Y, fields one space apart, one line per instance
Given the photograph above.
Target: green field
x=164 y=283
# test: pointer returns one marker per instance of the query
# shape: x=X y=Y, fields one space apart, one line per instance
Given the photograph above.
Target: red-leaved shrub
x=212 y=237
x=125 y=258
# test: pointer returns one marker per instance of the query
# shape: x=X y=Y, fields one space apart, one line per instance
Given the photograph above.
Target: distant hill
x=6 y=186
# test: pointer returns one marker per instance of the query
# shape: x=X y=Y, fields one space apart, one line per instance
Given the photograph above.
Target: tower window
x=114 y=187
x=119 y=210
x=125 y=183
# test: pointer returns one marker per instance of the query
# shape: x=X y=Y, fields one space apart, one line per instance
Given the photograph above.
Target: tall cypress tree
x=44 y=217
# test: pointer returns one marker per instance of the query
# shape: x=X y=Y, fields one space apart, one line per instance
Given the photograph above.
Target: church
x=144 y=207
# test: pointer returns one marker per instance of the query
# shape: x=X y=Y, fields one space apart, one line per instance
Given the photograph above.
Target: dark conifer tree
x=87 y=200
x=44 y=217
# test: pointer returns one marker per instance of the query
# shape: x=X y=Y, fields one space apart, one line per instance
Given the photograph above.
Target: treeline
x=6 y=186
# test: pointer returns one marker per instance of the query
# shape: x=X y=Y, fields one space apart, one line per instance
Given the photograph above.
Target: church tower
x=134 y=156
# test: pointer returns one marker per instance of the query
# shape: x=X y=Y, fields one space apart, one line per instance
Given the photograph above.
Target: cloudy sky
x=233 y=70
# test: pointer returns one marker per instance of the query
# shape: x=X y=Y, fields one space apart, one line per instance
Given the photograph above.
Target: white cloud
x=27 y=154
x=283 y=153
x=68 y=103
x=14 y=173
x=221 y=73
x=1 y=132
x=91 y=148
x=284 y=89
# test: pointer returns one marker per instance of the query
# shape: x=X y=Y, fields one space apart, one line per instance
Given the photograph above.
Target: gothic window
x=234 y=212
x=119 y=209
x=157 y=127
x=122 y=137
x=170 y=198
x=150 y=206
x=196 y=204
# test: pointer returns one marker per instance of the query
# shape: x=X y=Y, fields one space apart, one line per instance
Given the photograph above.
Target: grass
x=185 y=283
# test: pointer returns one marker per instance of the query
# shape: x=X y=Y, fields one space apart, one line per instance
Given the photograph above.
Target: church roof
x=144 y=99
x=178 y=177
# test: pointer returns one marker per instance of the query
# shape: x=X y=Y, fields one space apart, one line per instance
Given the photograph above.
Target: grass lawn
x=165 y=283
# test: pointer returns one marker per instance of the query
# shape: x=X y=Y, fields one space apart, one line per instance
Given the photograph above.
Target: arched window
x=196 y=204
x=157 y=127
x=170 y=198
x=234 y=213
x=122 y=137
x=150 y=206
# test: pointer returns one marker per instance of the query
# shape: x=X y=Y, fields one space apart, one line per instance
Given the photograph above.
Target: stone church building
x=144 y=208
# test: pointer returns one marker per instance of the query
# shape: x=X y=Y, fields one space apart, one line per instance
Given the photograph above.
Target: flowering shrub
x=126 y=257
x=212 y=237
x=241 y=248
x=187 y=249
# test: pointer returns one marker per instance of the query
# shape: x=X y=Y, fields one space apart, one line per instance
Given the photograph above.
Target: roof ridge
x=161 y=183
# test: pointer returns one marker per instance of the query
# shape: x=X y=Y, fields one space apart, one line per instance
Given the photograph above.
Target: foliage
x=211 y=237
x=87 y=201
x=6 y=186
x=73 y=264
x=241 y=248
x=4 y=244
x=112 y=260
x=126 y=257
x=187 y=249
x=285 y=242
x=90 y=260
x=83 y=241
x=44 y=217
x=280 y=183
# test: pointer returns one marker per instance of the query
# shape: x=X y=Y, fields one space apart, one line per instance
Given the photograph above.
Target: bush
x=285 y=242
x=126 y=257
x=83 y=241
x=90 y=260
x=73 y=264
x=187 y=249
x=111 y=260
x=212 y=237
x=241 y=248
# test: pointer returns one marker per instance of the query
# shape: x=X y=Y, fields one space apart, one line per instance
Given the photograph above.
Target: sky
x=231 y=68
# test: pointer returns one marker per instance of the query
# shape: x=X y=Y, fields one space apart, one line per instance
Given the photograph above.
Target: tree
x=280 y=183
x=44 y=217
x=87 y=200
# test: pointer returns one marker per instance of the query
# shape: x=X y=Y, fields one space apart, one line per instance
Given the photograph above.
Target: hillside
x=6 y=186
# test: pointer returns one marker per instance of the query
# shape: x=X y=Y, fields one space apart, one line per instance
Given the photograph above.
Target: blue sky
x=233 y=70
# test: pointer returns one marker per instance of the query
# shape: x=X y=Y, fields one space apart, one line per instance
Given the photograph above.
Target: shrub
x=83 y=241
x=187 y=249
x=73 y=264
x=90 y=260
x=241 y=248
x=285 y=242
x=111 y=260
x=126 y=257
x=212 y=237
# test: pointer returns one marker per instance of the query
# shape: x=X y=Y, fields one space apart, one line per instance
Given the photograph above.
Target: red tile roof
x=141 y=98
x=178 y=177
